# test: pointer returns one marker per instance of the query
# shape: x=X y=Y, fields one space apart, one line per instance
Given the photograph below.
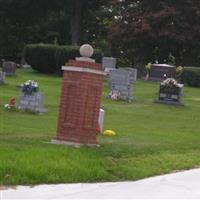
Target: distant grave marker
x=109 y=63
x=32 y=102
x=170 y=92
x=158 y=71
x=2 y=77
x=9 y=68
x=30 y=98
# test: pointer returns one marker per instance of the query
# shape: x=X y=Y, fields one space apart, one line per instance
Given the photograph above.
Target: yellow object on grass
x=109 y=133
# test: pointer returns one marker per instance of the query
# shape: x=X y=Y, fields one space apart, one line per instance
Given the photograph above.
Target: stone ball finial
x=86 y=50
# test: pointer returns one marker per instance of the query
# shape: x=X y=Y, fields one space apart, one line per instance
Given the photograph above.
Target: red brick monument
x=80 y=100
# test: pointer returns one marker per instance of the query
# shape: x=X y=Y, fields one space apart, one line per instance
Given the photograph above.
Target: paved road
x=181 y=185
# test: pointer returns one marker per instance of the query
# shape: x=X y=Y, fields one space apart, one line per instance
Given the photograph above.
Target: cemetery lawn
x=152 y=139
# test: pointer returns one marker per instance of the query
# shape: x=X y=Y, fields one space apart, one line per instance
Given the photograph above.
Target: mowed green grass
x=151 y=138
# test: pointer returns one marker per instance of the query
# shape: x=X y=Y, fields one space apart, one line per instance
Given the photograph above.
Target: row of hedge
x=191 y=76
x=48 y=58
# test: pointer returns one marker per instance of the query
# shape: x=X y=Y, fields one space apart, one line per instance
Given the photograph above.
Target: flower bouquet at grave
x=11 y=105
x=169 y=82
x=114 y=95
x=179 y=71
x=29 y=87
x=148 y=68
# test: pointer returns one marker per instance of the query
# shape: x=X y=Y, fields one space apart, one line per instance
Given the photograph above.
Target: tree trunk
x=76 y=22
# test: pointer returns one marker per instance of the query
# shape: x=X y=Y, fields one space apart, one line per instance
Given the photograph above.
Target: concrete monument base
x=74 y=144
x=169 y=102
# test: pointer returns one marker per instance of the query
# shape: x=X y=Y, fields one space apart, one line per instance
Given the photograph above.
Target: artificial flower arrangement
x=179 y=69
x=30 y=87
x=114 y=95
x=11 y=105
x=148 y=66
x=170 y=82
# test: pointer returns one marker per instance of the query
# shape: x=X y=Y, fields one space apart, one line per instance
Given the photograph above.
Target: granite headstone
x=170 y=94
x=32 y=102
x=109 y=63
x=122 y=80
x=9 y=68
x=159 y=71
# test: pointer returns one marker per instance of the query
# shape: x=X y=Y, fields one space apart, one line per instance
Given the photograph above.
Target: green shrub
x=48 y=58
x=64 y=53
x=41 y=57
x=191 y=76
x=97 y=55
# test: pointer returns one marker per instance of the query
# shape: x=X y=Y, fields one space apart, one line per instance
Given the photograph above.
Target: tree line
x=137 y=31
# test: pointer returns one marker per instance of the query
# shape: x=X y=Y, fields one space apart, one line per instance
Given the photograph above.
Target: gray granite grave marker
x=109 y=63
x=9 y=68
x=32 y=102
x=122 y=80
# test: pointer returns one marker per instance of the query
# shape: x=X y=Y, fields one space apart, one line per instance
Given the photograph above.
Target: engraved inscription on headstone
x=32 y=102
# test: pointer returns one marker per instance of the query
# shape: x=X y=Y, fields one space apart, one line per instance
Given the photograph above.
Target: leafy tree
x=47 y=21
x=149 y=30
x=84 y=18
x=24 y=21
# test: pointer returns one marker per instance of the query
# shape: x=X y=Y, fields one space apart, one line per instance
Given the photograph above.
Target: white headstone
x=101 y=119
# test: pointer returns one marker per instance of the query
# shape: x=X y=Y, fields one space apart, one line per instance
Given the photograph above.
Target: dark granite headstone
x=170 y=94
x=32 y=102
x=2 y=78
x=157 y=71
x=122 y=80
x=9 y=68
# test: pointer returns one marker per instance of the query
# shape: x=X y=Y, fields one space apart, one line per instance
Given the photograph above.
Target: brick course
x=80 y=104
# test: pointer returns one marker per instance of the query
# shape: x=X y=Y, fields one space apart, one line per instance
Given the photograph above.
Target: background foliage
x=191 y=76
x=48 y=58
x=136 y=32
x=150 y=30
x=48 y=21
